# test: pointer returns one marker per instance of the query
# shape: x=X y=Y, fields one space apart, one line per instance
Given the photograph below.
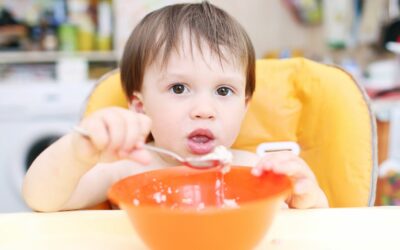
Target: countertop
x=339 y=228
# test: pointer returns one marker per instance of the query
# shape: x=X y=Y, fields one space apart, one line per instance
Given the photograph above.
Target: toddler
x=189 y=73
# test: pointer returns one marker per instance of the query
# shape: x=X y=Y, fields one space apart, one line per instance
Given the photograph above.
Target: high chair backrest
x=318 y=106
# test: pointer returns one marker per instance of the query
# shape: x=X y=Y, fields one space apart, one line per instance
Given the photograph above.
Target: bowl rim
x=210 y=209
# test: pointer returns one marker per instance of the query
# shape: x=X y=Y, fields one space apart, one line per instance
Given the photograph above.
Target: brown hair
x=161 y=31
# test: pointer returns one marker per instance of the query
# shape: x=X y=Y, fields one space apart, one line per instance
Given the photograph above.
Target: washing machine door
x=32 y=139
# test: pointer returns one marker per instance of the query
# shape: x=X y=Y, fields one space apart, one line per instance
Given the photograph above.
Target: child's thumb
x=141 y=156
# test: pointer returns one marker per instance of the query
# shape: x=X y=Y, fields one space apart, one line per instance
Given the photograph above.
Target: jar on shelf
x=389 y=181
x=68 y=37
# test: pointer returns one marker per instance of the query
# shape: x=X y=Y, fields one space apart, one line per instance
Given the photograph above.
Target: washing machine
x=32 y=116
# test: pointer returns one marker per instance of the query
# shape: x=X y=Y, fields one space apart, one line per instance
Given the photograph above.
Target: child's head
x=191 y=69
x=162 y=31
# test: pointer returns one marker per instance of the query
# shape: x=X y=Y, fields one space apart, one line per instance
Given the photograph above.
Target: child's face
x=195 y=102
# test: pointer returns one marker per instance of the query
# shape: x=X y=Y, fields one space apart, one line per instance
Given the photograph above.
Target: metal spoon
x=221 y=156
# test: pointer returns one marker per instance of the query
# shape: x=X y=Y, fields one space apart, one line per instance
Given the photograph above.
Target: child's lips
x=201 y=141
x=202 y=132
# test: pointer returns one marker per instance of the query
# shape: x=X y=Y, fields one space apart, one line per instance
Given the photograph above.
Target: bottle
x=338 y=18
x=35 y=30
x=104 y=22
x=49 y=39
x=68 y=37
x=79 y=16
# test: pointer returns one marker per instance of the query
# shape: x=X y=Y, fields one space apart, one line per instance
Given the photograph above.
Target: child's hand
x=306 y=192
x=115 y=133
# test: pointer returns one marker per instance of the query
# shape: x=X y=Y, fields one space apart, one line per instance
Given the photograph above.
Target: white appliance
x=32 y=116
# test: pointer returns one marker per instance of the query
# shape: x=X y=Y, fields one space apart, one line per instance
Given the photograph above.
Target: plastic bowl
x=182 y=208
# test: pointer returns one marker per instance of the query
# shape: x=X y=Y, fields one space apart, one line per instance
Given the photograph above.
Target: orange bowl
x=182 y=208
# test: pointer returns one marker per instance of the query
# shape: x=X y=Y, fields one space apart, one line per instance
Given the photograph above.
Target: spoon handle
x=163 y=151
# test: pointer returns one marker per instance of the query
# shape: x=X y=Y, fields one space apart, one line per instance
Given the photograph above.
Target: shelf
x=52 y=56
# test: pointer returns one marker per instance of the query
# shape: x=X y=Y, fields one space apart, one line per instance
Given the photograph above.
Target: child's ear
x=137 y=103
x=247 y=102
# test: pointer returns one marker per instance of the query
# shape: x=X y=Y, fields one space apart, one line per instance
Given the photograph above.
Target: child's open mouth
x=201 y=141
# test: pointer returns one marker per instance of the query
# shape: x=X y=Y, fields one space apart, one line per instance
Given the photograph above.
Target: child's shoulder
x=244 y=158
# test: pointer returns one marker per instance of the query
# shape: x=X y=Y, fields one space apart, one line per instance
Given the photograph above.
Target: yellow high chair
x=318 y=106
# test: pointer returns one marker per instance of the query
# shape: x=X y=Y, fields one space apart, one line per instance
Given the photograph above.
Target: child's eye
x=179 y=89
x=224 y=91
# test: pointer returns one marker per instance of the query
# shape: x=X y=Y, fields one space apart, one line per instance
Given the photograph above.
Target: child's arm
x=306 y=192
x=53 y=177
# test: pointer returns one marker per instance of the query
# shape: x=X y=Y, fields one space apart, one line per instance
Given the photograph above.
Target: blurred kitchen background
x=52 y=52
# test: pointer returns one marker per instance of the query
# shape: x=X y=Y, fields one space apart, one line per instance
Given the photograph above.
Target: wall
x=268 y=23
x=271 y=26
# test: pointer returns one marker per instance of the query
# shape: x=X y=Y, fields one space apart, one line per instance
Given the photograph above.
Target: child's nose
x=204 y=115
x=203 y=108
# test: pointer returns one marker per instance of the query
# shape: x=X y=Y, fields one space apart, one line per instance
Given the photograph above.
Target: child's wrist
x=314 y=198
x=83 y=150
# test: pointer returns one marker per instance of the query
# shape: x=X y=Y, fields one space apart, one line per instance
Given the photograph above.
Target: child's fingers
x=116 y=128
x=144 y=124
x=290 y=167
x=256 y=171
x=137 y=129
x=302 y=186
x=109 y=156
x=304 y=195
x=98 y=133
x=118 y=133
x=132 y=136
x=265 y=164
x=274 y=162
x=305 y=189
x=141 y=156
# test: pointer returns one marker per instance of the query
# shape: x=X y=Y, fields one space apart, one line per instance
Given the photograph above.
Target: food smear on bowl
x=159 y=197
x=136 y=202
x=187 y=201
x=230 y=203
x=226 y=157
x=200 y=206
x=187 y=196
x=220 y=184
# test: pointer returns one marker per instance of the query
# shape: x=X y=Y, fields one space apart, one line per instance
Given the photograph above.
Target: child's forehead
x=197 y=50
